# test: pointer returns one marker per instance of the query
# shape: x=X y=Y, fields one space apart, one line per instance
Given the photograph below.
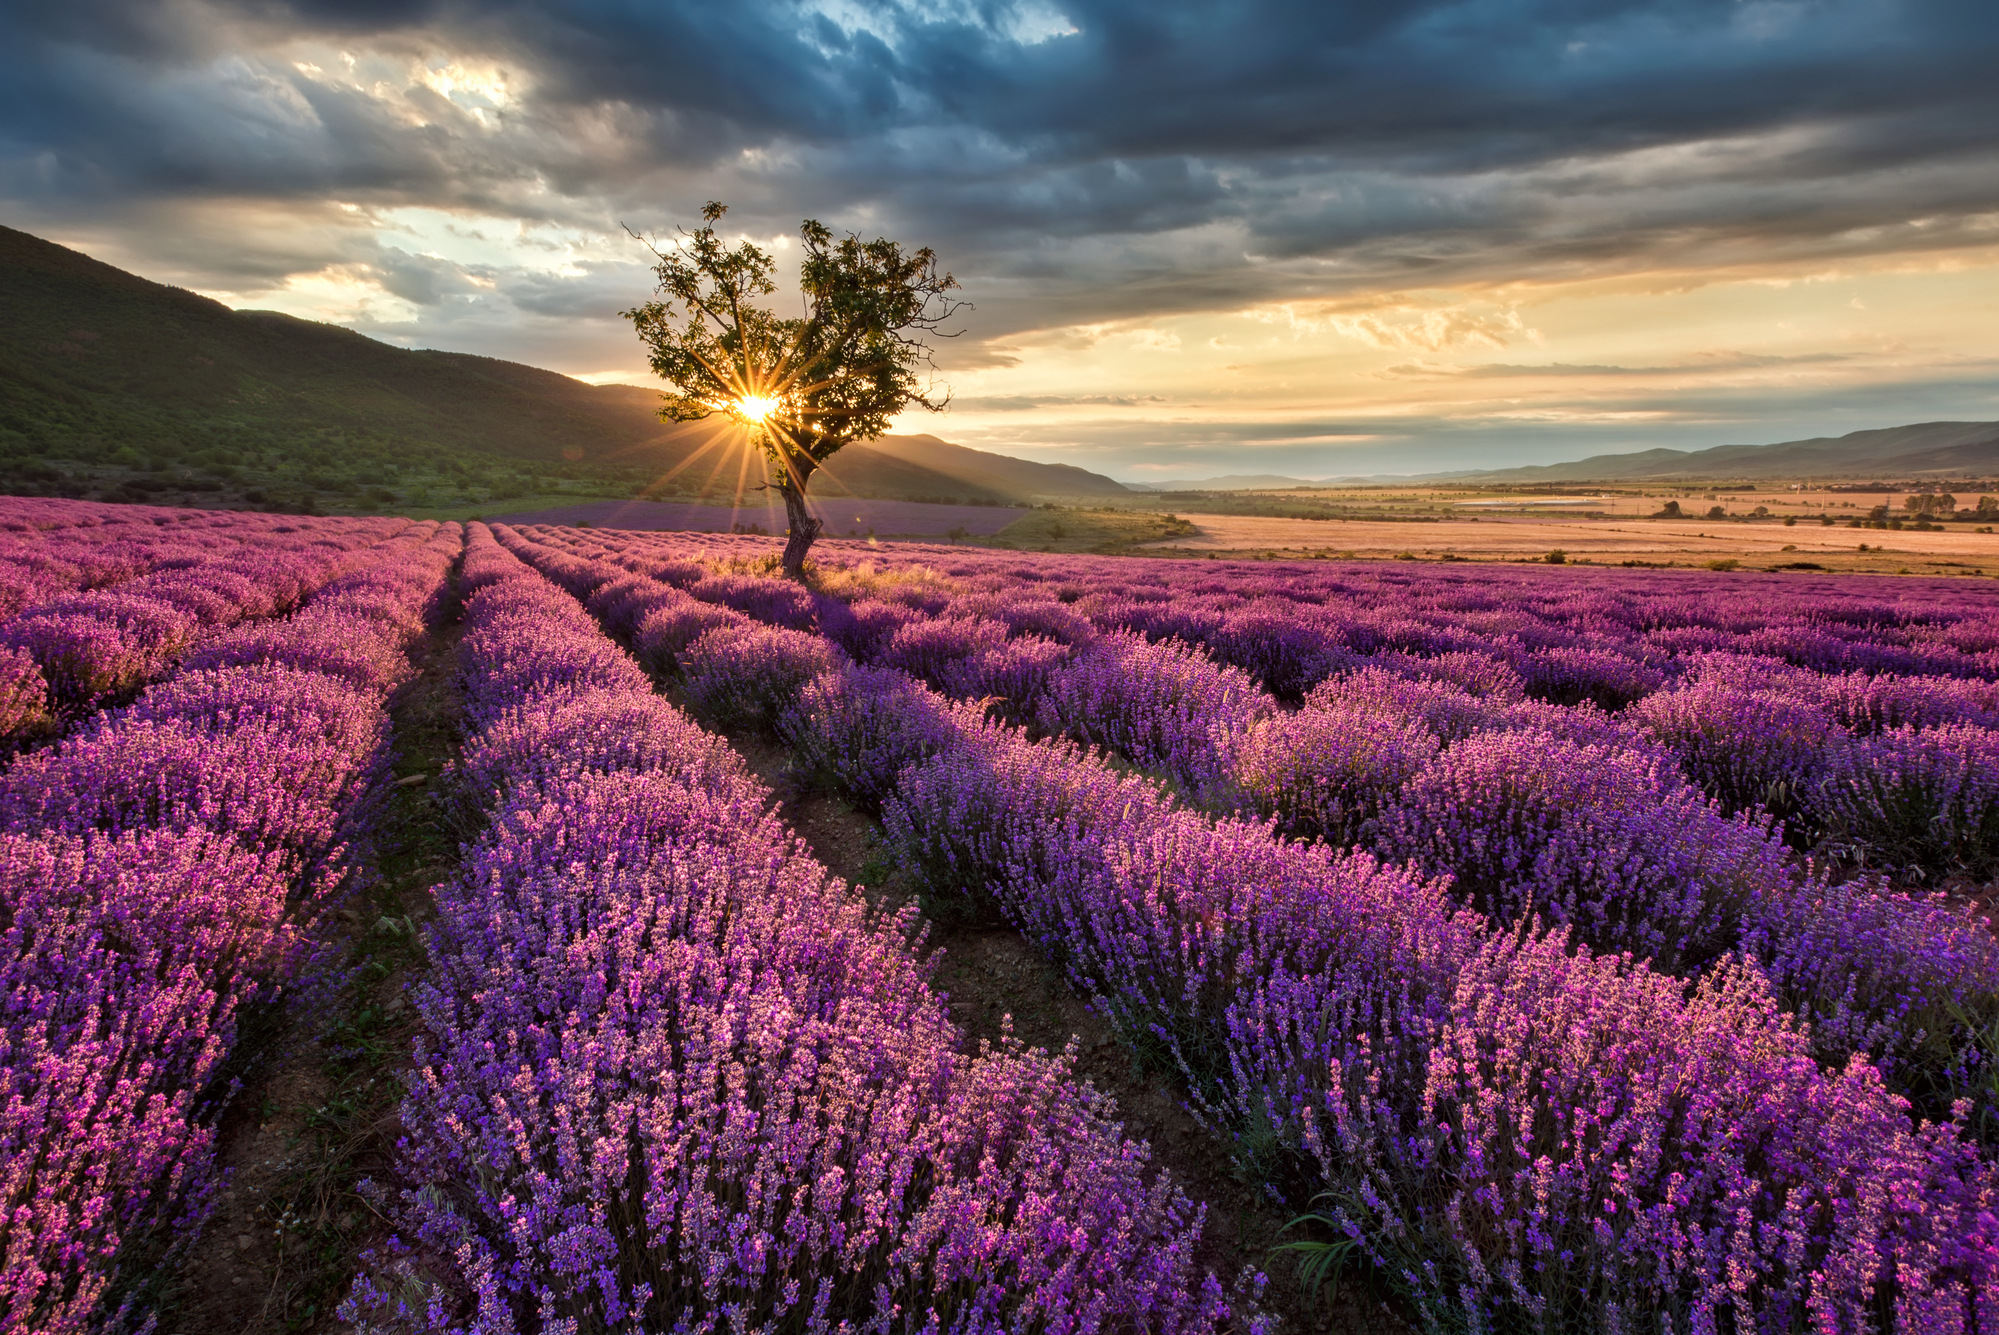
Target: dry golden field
x=1610 y=529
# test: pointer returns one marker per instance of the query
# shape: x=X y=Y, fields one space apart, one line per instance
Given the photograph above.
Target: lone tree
x=803 y=387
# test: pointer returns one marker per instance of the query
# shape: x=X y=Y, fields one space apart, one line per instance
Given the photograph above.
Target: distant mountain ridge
x=94 y=360
x=1953 y=449
x=1941 y=449
x=998 y=474
x=1227 y=482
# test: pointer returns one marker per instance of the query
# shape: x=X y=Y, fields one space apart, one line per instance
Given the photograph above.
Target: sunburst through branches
x=805 y=386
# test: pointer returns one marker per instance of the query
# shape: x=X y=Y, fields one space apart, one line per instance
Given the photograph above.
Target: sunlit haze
x=755 y=408
x=1311 y=240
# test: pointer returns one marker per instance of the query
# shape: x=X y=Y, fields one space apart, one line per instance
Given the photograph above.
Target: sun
x=755 y=407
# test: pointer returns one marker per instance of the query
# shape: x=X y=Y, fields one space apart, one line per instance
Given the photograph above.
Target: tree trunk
x=800 y=526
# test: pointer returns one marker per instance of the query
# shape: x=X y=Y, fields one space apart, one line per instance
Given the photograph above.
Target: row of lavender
x=677 y=1077
x=1531 y=808
x=1863 y=721
x=48 y=548
x=38 y=564
x=160 y=871
x=31 y=515
x=1517 y=1127
x=96 y=610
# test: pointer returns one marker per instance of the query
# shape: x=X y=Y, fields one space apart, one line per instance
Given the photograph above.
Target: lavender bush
x=1327 y=771
x=1749 y=748
x=1521 y=1129
x=677 y=1075
x=744 y=676
x=161 y=871
x=1615 y=842
x=123 y=966
x=1575 y=1143
x=1920 y=800
x=855 y=731
x=1163 y=706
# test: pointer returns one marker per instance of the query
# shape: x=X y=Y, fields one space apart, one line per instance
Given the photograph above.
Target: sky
x=1315 y=238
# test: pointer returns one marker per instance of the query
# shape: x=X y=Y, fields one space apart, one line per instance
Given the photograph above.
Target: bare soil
x=319 y=1110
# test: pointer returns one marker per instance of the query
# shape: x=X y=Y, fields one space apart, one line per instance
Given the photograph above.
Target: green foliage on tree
x=801 y=387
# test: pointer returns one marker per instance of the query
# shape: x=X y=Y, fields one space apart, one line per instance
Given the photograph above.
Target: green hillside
x=118 y=387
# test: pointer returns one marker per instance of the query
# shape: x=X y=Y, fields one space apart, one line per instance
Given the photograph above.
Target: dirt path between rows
x=318 y=1112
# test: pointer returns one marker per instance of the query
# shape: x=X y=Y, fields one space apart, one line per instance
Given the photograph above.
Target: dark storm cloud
x=598 y=294
x=1082 y=161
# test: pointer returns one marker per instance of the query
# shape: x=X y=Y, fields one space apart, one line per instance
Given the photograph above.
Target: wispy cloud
x=1713 y=363
x=1406 y=327
x=1014 y=403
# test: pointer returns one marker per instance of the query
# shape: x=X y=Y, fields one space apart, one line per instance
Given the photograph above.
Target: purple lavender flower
x=1444 y=707
x=855 y=731
x=1747 y=748
x=676 y=1074
x=1572 y=675
x=744 y=676
x=1921 y=800
x=123 y=965
x=930 y=649
x=868 y=626
x=1611 y=840
x=24 y=695
x=162 y=867
x=1326 y=771
x=1575 y=1138
x=1522 y=1130
x=777 y=602
x=1163 y=706
x=1012 y=678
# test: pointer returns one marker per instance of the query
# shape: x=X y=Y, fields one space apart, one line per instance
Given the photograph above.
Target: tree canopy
x=802 y=386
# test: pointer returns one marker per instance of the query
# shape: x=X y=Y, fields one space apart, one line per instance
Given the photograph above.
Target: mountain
x=1277 y=482
x=1953 y=449
x=1940 y=449
x=109 y=377
x=1228 y=482
x=873 y=466
x=90 y=345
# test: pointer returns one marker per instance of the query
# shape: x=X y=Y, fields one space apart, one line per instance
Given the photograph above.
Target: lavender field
x=1593 y=951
